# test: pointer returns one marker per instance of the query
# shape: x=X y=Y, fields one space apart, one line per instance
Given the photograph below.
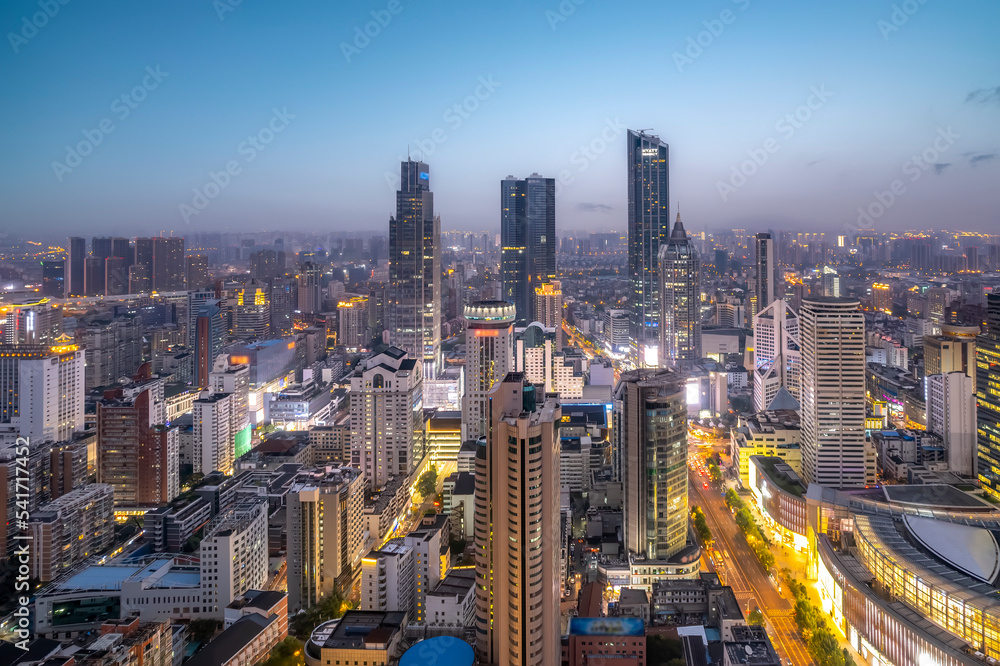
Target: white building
x=537 y=356
x=776 y=354
x=951 y=413
x=387 y=578
x=387 y=428
x=429 y=564
x=212 y=444
x=325 y=533
x=832 y=332
x=234 y=555
x=452 y=604
x=489 y=355
x=42 y=389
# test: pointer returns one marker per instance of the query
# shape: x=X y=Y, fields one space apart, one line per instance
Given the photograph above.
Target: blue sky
x=559 y=78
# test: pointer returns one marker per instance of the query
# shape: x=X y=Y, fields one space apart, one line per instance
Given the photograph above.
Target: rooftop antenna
x=643 y=131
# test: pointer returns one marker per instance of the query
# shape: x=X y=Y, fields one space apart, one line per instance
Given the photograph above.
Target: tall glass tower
x=648 y=228
x=415 y=269
x=528 y=239
x=988 y=397
x=680 y=296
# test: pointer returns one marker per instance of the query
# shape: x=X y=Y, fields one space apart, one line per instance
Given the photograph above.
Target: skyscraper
x=988 y=397
x=951 y=413
x=310 y=288
x=777 y=354
x=415 y=269
x=832 y=335
x=76 y=267
x=141 y=271
x=209 y=335
x=648 y=228
x=680 y=298
x=284 y=291
x=517 y=530
x=34 y=321
x=386 y=416
x=168 y=263
x=527 y=239
x=54 y=278
x=253 y=311
x=197 y=271
x=765 y=271
x=650 y=438
x=489 y=356
x=42 y=389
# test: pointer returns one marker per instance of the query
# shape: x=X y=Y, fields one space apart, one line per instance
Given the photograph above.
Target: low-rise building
x=371 y=637
x=769 y=433
x=452 y=604
x=780 y=495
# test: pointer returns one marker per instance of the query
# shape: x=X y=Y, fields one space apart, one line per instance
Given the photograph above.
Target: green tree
x=203 y=630
x=756 y=617
x=733 y=500
x=427 y=484
x=288 y=652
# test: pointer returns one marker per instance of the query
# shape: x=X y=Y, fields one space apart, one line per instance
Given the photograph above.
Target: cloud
x=984 y=96
x=979 y=158
x=593 y=207
x=813 y=163
x=940 y=167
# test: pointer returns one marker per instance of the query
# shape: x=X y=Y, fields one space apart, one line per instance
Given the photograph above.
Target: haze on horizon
x=781 y=115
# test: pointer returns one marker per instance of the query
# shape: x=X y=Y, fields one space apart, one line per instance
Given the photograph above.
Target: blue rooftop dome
x=439 y=651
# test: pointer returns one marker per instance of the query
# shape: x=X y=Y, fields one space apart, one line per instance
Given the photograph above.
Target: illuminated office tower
x=650 y=437
x=234 y=380
x=415 y=269
x=832 y=336
x=517 y=528
x=777 y=356
x=549 y=308
x=352 y=322
x=253 y=311
x=952 y=351
x=766 y=270
x=387 y=416
x=527 y=238
x=951 y=413
x=489 y=356
x=76 y=261
x=988 y=397
x=213 y=443
x=35 y=321
x=42 y=389
x=648 y=228
x=680 y=298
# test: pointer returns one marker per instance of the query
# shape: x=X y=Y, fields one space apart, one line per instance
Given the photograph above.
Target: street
x=741 y=571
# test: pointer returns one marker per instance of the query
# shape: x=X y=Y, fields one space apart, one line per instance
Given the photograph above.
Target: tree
x=427 y=484
x=733 y=500
x=203 y=630
x=286 y=653
x=756 y=618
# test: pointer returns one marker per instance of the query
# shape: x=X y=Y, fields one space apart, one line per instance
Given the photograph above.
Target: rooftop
x=359 y=630
x=939 y=496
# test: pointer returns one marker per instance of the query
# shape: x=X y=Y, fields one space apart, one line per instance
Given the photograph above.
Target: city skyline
x=282 y=131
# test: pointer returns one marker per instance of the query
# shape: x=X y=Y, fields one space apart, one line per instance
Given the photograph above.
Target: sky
x=134 y=117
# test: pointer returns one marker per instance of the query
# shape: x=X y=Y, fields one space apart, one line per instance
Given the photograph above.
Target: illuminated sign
x=424 y=175
x=481 y=333
x=650 y=152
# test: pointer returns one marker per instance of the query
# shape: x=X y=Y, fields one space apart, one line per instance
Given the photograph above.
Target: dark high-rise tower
x=765 y=272
x=680 y=296
x=648 y=228
x=528 y=239
x=168 y=264
x=415 y=269
x=988 y=397
x=76 y=267
x=54 y=278
x=141 y=270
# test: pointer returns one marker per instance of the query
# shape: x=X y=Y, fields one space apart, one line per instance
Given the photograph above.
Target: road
x=741 y=571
